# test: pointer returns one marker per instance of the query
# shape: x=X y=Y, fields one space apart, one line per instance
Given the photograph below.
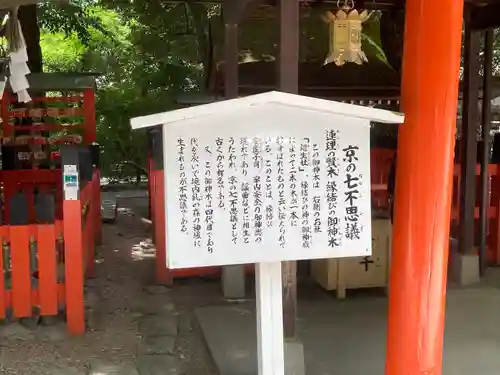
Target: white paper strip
x=18 y=83
x=3 y=82
x=23 y=96
x=20 y=68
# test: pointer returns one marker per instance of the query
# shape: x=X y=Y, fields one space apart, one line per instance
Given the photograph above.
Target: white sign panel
x=265 y=184
x=71 y=182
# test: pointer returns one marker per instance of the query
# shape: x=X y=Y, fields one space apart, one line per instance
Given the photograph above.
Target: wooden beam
x=233 y=12
x=468 y=149
x=288 y=78
x=489 y=36
x=289 y=46
x=231 y=51
x=485 y=17
x=236 y=10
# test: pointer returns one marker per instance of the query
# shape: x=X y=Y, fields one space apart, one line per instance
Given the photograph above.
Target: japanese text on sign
x=240 y=192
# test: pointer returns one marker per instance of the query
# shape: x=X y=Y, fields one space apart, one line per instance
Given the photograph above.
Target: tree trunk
x=29 y=23
x=204 y=38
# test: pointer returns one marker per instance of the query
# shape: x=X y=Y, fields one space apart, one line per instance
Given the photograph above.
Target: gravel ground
x=117 y=299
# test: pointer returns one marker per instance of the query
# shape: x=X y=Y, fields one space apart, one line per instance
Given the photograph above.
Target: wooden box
x=358 y=272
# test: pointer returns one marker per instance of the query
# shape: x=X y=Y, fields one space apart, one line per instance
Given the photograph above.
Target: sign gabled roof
x=272 y=97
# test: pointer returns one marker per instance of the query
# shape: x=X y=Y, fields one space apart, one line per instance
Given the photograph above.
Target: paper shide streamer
x=14 y=60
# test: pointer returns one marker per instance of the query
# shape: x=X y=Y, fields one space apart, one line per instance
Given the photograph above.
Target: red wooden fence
x=381 y=160
x=43 y=266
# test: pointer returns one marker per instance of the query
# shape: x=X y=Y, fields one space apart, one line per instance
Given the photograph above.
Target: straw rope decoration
x=13 y=31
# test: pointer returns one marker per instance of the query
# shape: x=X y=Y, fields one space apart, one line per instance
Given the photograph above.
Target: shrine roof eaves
x=272 y=97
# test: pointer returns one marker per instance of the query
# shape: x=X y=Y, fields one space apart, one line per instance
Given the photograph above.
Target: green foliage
x=61 y=53
x=137 y=77
x=76 y=16
x=148 y=52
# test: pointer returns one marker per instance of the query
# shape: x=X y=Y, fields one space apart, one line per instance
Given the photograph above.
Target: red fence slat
x=3 y=302
x=21 y=275
x=96 y=203
x=73 y=255
x=47 y=269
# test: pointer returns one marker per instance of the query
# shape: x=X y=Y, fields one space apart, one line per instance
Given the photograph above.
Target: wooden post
x=289 y=82
x=96 y=191
x=231 y=56
x=431 y=64
x=149 y=161
x=163 y=274
x=494 y=239
x=73 y=248
x=468 y=150
x=233 y=277
x=485 y=157
x=270 y=350
x=97 y=206
x=73 y=269
x=87 y=163
x=90 y=132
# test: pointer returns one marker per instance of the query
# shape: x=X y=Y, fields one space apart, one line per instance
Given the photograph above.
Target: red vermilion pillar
x=417 y=291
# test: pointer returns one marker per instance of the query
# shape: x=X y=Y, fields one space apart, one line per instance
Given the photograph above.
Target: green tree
x=149 y=51
x=135 y=79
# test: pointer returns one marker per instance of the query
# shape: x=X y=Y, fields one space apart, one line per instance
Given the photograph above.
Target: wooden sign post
x=263 y=179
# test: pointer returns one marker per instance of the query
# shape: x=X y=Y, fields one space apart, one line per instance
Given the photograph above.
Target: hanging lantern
x=345 y=27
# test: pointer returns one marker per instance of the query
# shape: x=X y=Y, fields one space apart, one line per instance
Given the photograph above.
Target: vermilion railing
x=43 y=266
x=27 y=283
x=47 y=242
x=381 y=162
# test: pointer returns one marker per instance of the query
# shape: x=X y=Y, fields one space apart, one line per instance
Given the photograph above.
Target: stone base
x=233 y=282
x=464 y=269
x=294 y=357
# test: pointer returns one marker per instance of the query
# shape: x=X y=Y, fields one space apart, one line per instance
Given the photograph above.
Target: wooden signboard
x=264 y=179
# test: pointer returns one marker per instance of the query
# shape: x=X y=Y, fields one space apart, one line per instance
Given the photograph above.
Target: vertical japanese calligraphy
x=256 y=157
x=302 y=190
x=233 y=192
x=332 y=172
x=304 y=193
x=316 y=164
x=245 y=191
x=220 y=172
x=209 y=212
x=269 y=182
x=292 y=180
x=244 y=155
x=257 y=192
x=281 y=193
x=183 y=186
x=352 y=193
x=195 y=192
